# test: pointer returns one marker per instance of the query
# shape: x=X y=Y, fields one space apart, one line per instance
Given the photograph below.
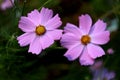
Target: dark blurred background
x=17 y=64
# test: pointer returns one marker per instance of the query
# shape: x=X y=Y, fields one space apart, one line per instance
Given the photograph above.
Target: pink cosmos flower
x=84 y=41
x=40 y=30
x=6 y=4
x=110 y=51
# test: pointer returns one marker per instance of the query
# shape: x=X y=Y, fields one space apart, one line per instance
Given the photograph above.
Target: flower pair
x=41 y=29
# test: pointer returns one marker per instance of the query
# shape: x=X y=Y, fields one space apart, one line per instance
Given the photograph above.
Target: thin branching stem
x=44 y=4
x=114 y=10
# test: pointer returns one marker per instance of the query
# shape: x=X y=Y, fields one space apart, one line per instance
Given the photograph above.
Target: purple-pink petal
x=95 y=51
x=35 y=17
x=68 y=40
x=70 y=28
x=55 y=34
x=85 y=23
x=45 y=15
x=98 y=27
x=26 y=25
x=35 y=46
x=53 y=23
x=46 y=41
x=73 y=36
x=74 y=52
x=6 y=4
x=25 y=39
x=85 y=59
x=100 y=38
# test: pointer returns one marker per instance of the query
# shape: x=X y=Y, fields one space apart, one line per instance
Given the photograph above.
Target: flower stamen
x=85 y=39
x=40 y=30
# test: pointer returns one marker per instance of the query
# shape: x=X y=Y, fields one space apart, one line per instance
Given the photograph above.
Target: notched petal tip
x=57 y=15
x=84 y=15
x=54 y=23
x=85 y=63
x=44 y=8
x=33 y=52
x=101 y=20
x=32 y=12
x=100 y=38
x=85 y=23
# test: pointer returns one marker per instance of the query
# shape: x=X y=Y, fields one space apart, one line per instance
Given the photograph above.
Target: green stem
x=23 y=6
x=114 y=10
x=8 y=42
x=44 y=4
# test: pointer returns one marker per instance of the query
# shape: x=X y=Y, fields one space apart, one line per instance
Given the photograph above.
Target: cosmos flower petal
x=35 y=46
x=46 y=41
x=35 y=17
x=46 y=14
x=44 y=28
x=26 y=39
x=74 y=52
x=53 y=23
x=26 y=25
x=85 y=23
x=85 y=35
x=56 y=34
x=70 y=28
x=95 y=51
x=100 y=38
x=69 y=40
x=85 y=59
x=98 y=27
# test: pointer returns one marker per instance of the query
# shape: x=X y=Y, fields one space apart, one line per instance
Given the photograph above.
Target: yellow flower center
x=85 y=39
x=40 y=30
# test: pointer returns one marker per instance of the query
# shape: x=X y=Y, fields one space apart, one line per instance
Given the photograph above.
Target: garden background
x=17 y=64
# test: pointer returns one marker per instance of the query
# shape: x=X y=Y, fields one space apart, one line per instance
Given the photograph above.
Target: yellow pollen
x=40 y=30
x=85 y=39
